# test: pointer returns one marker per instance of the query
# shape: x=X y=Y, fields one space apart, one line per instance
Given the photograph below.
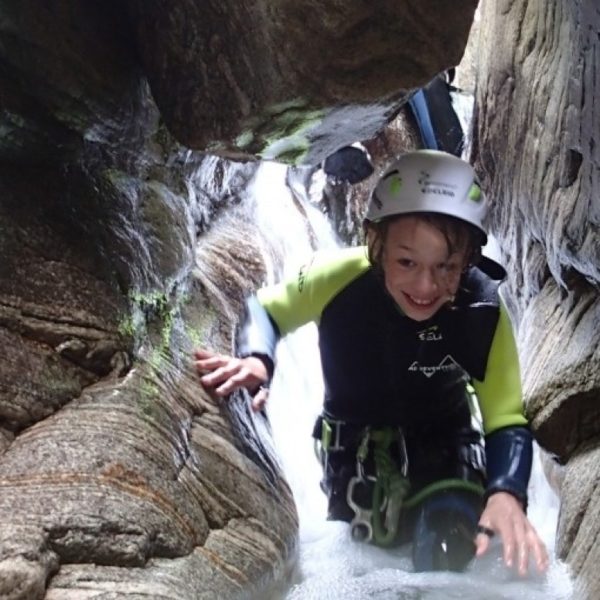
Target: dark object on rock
x=436 y=118
x=349 y=164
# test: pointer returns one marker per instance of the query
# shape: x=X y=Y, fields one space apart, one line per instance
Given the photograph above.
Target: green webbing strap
x=442 y=485
x=363 y=449
x=325 y=435
x=391 y=487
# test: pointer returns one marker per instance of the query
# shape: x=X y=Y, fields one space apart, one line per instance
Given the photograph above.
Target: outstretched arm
x=222 y=374
x=509 y=456
x=272 y=313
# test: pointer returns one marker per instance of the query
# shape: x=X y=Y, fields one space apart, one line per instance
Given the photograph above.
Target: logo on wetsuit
x=431 y=334
x=446 y=364
x=302 y=273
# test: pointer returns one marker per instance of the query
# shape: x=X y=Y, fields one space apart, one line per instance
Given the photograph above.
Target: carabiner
x=361 y=528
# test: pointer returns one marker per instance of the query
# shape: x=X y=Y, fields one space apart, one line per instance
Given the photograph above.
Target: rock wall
x=536 y=128
x=118 y=473
x=122 y=246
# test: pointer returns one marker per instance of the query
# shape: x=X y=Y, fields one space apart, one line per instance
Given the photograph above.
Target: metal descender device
x=384 y=492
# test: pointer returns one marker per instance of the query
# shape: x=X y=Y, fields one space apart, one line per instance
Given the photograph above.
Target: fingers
x=213 y=366
x=531 y=546
x=260 y=399
x=234 y=376
x=538 y=550
x=514 y=546
x=211 y=362
x=542 y=560
x=201 y=353
x=504 y=515
x=521 y=544
x=482 y=544
x=221 y=374
x=225 y=374
x=516 y=552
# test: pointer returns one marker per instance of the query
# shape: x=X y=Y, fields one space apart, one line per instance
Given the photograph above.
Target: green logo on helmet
x=395 y=183
x=475 y=193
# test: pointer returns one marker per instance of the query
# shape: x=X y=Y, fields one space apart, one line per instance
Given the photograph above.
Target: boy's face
x=419 y=273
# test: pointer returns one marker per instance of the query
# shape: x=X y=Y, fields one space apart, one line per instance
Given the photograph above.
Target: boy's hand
x=504 y=514
x=221 y=375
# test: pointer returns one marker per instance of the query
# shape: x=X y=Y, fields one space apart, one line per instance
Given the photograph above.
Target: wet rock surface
x=123 y=246
x=535 y=148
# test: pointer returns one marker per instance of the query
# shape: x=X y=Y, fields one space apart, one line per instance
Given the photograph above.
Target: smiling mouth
x=420 y=302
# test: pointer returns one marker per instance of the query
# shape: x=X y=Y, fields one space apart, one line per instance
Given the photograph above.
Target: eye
x=406 y=263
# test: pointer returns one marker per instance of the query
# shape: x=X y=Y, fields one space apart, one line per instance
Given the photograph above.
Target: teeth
x=421 y=302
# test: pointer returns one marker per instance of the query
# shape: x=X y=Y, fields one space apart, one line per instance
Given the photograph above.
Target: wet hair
x=457 y=233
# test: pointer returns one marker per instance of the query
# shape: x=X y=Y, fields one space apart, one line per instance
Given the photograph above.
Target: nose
x=426 y=282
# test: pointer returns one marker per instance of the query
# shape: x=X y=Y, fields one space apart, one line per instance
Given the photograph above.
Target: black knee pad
x=444 y=532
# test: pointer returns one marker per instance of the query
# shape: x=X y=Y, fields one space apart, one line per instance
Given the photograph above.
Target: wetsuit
x=381 y=368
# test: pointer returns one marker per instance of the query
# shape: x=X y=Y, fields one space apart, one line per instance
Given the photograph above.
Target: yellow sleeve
x=301 y=299
x=499 y=394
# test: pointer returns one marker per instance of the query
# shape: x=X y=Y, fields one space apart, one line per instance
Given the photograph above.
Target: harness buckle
x=331 y=429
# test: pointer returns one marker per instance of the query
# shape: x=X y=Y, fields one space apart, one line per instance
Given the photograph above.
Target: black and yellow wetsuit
x=381 y=368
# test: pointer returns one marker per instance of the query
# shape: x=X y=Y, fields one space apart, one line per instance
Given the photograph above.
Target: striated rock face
x=536 y=149
x=112 y=454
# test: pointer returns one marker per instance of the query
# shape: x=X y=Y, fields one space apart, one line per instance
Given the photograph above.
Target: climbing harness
x=379 y=521
x=378 y=492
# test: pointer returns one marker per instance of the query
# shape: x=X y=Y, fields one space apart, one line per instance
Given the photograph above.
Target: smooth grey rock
x=536 y=150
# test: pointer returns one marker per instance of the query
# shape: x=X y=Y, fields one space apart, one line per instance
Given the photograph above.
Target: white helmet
x=429 y=181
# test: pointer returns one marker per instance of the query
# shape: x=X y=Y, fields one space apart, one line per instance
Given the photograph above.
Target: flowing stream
x=332 y=566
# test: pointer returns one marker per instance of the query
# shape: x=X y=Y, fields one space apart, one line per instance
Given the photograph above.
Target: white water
x=332 y=566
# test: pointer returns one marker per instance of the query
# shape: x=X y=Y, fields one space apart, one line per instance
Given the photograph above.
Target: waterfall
x=331 y=565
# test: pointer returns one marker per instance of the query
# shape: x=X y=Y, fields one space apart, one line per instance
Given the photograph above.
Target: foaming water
x=332 y=566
